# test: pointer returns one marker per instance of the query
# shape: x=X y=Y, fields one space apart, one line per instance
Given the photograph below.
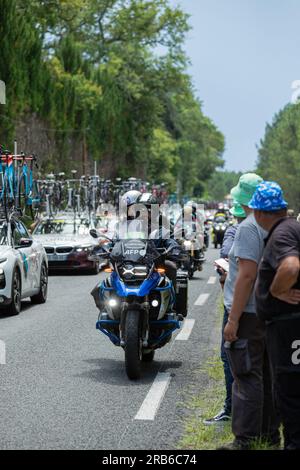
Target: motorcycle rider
x=137 y=216
x=191 y=214
x=162 y=234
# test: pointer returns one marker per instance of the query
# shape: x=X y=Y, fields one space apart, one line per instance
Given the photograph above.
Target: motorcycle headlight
x=187 y=244
x=129 y=272
x=224 y=227
x=217 y=227
x=112 y=302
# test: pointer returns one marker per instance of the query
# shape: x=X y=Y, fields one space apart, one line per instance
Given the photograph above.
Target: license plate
x=55 y=257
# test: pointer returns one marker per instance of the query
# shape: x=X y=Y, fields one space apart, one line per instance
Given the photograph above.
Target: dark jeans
x=283 y=343
x=226 y=366
x=253 y=411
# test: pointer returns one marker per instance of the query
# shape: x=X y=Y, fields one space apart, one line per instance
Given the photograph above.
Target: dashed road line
x=212 y=280
x=201 y=299
x=186 y=330
x=153 y=400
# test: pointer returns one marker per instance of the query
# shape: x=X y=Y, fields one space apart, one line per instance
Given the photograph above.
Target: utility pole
x=84 y=154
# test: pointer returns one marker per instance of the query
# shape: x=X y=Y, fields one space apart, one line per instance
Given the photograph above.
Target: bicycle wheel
x=35 y=195
x=3 y=199
x=22 y=197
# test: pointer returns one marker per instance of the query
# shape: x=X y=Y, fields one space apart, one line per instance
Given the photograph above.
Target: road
x=64 y=384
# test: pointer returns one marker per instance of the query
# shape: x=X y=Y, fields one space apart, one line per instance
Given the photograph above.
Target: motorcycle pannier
x=182 y=293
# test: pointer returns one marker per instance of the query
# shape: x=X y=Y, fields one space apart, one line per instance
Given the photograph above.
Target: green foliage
x=279 y=152
x=220 y=184
x=91 y=69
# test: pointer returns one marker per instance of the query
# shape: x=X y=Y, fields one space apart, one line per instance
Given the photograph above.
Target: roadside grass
x=207 y=404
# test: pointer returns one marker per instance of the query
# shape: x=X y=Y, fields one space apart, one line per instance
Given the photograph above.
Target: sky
x=245 y=56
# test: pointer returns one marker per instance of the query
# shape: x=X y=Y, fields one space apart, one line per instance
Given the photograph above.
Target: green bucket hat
x=238 y=211
x=246 y=187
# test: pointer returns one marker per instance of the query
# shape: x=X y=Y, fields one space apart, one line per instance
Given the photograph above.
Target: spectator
x=253 y=415
x=225 y=414
x=278 y=297
x=291 y=213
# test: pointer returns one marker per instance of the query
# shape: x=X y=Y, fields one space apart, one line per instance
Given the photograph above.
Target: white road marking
x=2 y=353
x=212 y=280
x=153 y=400
x=186 y=330
x=201 y=299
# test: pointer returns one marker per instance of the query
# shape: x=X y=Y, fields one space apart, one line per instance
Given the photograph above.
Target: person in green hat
x=253 y=414
x=237 y=211
x=225 y=414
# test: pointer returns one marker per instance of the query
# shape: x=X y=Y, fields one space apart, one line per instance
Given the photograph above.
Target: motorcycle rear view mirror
x=95 y=234
x=165 y=251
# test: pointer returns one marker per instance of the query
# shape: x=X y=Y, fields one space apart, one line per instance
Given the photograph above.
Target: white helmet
x=130 y=198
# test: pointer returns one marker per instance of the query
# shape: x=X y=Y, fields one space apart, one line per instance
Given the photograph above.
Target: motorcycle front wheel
x=133 y=345
x=148 y=357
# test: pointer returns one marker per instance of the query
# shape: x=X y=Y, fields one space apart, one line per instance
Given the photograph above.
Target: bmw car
x=23 y=267
x=68 y=243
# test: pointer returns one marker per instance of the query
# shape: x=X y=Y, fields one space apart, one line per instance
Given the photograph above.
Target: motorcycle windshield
x=220 y=220
x=136 y=236
x=135 y=251
x=190 y=231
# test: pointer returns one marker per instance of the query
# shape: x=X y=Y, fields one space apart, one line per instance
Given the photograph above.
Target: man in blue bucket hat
x=253 y=414
x=278 y=303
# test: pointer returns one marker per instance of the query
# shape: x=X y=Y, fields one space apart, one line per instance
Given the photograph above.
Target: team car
x=68 y=243
x=23 y=267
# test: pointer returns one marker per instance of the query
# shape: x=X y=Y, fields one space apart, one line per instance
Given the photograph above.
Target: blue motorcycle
x=137 y=300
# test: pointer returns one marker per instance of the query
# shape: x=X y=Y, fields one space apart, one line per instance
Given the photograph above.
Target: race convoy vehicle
x=68 y=243
x=23 y=267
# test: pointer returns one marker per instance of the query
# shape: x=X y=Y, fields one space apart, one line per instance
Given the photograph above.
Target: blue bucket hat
x=268 y=197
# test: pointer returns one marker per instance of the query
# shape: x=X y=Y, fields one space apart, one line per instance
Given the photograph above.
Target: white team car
x=23 y=267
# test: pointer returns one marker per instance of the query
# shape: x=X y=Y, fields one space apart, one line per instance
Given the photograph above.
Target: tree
x=220 y=184
x=279 y=153
x=95 y=74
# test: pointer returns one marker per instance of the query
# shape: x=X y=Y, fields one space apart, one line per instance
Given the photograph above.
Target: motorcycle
x=137 y=301
x=193 y=245
x=218 y=231
x=207 y=229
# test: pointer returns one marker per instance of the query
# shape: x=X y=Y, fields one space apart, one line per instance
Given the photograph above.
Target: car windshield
x=62 y=227
x=3 y=234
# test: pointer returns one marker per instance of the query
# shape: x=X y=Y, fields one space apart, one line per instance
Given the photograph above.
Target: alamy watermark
x=295 y=98
x=2 y=92
x=2 y=353
x=154 y=221
x=296 y=354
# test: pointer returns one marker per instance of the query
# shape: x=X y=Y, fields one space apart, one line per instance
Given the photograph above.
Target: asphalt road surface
x=64 y=384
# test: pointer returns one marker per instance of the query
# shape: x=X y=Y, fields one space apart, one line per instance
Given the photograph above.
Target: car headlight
x=86 y=249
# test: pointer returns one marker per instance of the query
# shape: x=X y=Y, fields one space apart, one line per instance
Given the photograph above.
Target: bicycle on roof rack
x=19 y=191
